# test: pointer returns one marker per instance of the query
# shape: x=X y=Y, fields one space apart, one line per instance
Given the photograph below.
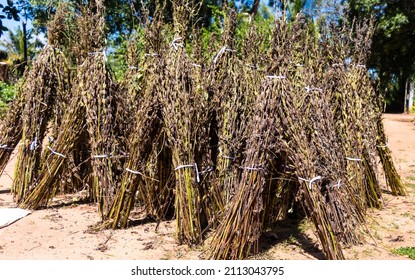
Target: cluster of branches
x=224 y=133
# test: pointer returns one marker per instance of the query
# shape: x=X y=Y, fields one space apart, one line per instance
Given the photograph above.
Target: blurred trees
x=393 y=50
x=392 y=60
x=15 y=48
x=8 y=11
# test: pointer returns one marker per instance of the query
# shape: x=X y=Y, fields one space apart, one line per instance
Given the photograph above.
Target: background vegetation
x=392 y=61
x=226 y=124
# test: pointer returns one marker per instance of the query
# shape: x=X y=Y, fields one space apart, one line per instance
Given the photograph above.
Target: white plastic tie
x=382 y=146
x=228 y=157
x=310 y=182
x=175 y=43
x=33 y=145
x=5 y=147
x=183 y=166
x=194 y=165
x=101 y=156
x=225 y=156
x=197 y=173
x=308 y=89
x=207 y=170
x=134 y=172
x=354 y=159
x=248 y=168
x=297 y=64
x=221 y=51
x=104 y=56
x=339 y=183
x=151 y=54
x=55 y=153
x=141 y=174
x=277 y=77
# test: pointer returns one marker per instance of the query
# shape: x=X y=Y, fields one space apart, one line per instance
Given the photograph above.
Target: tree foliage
x=393 y=55
x=10 y=12
x=122 y=16
x=15 y=48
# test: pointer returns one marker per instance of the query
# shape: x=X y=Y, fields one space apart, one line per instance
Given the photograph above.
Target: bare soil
x=64 y=231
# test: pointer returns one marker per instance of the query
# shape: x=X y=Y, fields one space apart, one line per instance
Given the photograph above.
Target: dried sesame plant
x=60 y=170
x=184 y=111
x=44 y=82
x=11 y=127
x=147 y=171
x=226 y=136
x=98 y=91
x=232 y=97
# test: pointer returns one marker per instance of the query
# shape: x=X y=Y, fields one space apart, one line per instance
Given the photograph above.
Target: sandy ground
x=64 y=232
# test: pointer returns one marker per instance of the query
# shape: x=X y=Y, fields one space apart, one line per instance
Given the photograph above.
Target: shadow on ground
x=288 y=232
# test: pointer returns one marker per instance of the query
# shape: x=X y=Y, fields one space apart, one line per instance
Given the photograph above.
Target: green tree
x=15 y=48
x=251 y=6
x=122 y=16
x=393 y=55
x=19 y=11
x=10 y=12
